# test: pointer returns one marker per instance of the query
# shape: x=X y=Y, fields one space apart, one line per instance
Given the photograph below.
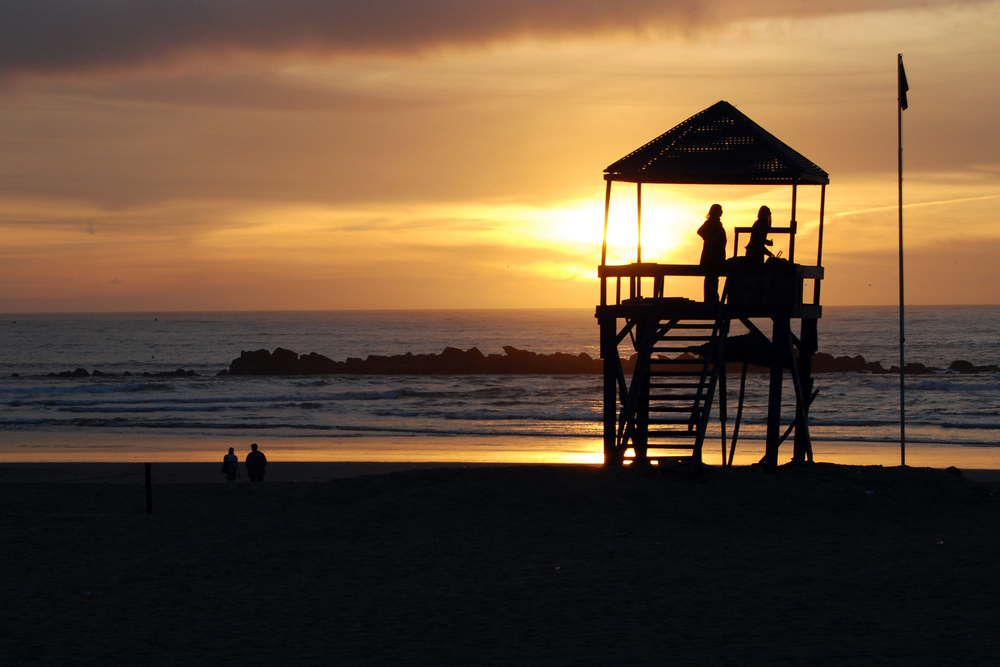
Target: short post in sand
x=149 y=488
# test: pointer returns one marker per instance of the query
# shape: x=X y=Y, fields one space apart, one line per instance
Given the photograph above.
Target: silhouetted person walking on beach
x=713 y=254
x=231 y=465
x=758 y=237
x=255 y=464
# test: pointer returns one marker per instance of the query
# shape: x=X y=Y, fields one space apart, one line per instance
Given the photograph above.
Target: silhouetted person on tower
x=758 y=237
x=713 y=254
x=255 y=463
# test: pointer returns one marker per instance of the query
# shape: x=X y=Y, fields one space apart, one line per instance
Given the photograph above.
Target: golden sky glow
x=275 y=159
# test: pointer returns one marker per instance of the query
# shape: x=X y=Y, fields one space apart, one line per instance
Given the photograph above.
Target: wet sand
x=566 y=565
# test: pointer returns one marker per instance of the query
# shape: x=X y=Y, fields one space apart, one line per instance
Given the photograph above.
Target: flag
x=903 y=87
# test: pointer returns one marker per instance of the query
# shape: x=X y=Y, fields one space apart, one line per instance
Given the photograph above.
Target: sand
x=534 y=565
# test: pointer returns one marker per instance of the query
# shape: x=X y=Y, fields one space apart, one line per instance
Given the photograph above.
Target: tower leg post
x=641 y=436
x=609 y=353
x=779 y=352
x=808 y=344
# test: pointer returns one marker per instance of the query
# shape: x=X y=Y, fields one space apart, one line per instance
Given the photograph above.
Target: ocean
x=950 y=418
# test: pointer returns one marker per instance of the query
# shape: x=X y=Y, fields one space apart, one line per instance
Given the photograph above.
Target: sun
x=667 y=229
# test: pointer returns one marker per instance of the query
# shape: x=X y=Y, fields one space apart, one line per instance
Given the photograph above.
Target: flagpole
x=902 y=87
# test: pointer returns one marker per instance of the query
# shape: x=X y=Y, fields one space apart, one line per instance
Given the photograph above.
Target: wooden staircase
x=666 y=411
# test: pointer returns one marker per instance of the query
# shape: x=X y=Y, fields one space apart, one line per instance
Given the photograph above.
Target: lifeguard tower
x=681 y=346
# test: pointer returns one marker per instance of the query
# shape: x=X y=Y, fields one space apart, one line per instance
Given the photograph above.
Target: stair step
x=669 y=422
x=685 y=337
x=665 y=426
x=670 y=408
x=652 y=419
x=677 y=398
x=674 y=385
x=699 y=341
x=678 y=374
x=678 y=348
x=688 y=334
x=676 y=434
x=665 y=364
x=653 y=386
x=693 y=323
x=674 y=369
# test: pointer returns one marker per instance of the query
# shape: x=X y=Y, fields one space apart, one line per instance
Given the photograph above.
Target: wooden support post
x=808 y=344
x=739 y=414
x=604 y=246
x=640 y=437
x=793 y=224
x=819 y=248
x=607 y=210
x=722 y=407
x=612 y=367
x=638 y=217
x=638 y=234
x=779 y=352
x=149 y=488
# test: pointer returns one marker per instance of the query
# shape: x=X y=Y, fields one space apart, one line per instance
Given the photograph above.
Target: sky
x=381 y=154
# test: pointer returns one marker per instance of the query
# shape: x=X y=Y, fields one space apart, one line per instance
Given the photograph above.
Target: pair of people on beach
x=713 y=253
x=255 y=463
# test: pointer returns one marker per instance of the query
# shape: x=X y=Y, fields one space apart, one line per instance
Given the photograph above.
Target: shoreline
x=28 y=447
x=80 y=472
x=93 y=472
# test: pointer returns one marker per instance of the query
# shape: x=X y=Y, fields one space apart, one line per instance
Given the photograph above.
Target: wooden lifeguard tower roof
x=719 y=145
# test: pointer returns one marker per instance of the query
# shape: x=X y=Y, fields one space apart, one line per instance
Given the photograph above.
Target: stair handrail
x=716 y=347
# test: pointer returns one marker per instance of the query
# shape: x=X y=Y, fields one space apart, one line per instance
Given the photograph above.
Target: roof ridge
x=719 y=144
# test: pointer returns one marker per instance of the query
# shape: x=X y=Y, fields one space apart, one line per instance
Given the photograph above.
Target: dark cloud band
x=66 y=35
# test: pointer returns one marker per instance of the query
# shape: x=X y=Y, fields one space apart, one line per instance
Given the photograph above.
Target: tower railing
x=786 y=292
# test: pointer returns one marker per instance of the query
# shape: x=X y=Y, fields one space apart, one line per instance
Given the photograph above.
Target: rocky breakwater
x=82 y=373
x=451 y=361
x=825 y=363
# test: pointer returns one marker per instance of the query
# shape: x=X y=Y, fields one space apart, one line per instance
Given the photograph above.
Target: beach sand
x=557 y=565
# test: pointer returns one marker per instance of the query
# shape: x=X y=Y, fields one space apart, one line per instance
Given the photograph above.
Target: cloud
x=52 y=36
x=951 y=272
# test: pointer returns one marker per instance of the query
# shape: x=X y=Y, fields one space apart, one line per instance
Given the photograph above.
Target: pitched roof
x=719 y=145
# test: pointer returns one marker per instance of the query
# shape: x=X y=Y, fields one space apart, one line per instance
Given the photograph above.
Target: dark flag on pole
x=902 y=84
